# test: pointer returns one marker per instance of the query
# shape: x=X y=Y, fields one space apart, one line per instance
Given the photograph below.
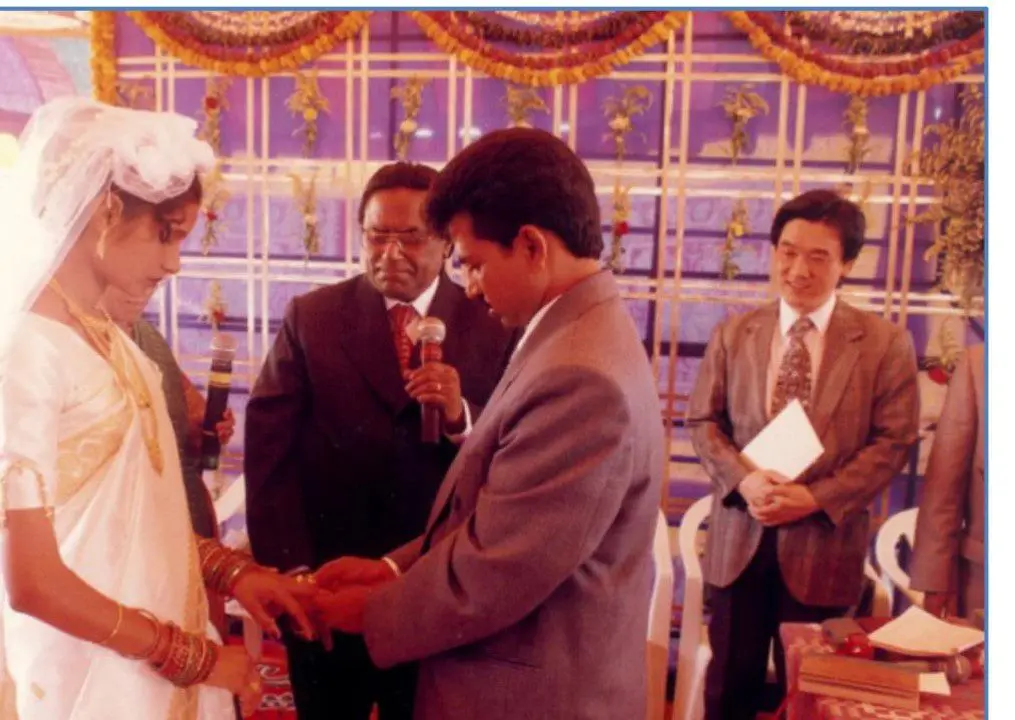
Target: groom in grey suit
x=527 y=596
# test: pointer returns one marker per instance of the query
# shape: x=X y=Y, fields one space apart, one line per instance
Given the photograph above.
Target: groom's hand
x=347 y=571
x=341 y=611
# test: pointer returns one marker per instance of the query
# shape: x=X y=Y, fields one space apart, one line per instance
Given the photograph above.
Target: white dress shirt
x=540 y=314
x=814 y=340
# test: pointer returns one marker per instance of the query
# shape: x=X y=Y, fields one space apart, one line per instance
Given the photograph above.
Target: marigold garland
x=103 y=49
x=329 y=29
x=861 y=66
x=810 y=73
x=815 y=27
x=559 y=69
x=603 y=28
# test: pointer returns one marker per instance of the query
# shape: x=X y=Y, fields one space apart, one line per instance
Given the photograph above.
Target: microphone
x=223 y=349
x=431 y=333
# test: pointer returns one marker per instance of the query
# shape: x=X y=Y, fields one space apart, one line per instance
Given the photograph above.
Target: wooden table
x=965 y=702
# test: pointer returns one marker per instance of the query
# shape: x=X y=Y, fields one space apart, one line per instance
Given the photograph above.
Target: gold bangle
x=116 y=627
x=147 y=653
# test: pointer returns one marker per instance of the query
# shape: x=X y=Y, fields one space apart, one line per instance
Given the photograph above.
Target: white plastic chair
x=693 y=651
x=898 y=526
x=659 y=618
x=233 y=502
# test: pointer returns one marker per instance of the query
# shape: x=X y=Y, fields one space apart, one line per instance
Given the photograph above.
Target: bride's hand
x=235 y=671
x=266 y=594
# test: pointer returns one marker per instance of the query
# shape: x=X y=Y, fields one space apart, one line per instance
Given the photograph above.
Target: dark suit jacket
x=949 y=555
x=532 y=600
x=865 y=411
x=152 y=344
x=333 y=460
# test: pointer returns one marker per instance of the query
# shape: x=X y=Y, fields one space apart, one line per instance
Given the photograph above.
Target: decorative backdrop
x=696 y=126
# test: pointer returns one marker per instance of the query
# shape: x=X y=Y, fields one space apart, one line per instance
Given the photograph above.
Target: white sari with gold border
x=71 y=438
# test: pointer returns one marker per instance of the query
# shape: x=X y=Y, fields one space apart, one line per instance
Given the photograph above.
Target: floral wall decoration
x=833 y=49
x=213 y=105
x=214 y=198
x=741 y=105
x=542 y=49
x=855 y=120
x=956 y=166
x=215 y=307
x=410 y=97
x=103 y=55
x=252 y=43
x=305 y=196
x=521 y=102
x=620 y=113
x=307 y=103
x=885 y=32
x=136 y=94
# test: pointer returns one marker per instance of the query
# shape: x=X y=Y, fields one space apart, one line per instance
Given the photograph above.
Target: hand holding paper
x=784 y=504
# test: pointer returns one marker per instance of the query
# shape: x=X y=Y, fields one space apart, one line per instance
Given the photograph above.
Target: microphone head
x=223 y=347
x=431 y=330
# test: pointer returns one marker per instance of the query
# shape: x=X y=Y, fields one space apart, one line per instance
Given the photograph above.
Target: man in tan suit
x=948 y=557
x=781 y=551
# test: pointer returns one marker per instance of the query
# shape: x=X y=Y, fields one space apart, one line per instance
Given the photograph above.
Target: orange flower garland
x=103 y=47
x=810 y=73
x=258 y=58
x=544 y=71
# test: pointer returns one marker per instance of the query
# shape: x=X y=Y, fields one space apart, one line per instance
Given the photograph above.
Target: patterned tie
x=795 y=371
x=400 y=317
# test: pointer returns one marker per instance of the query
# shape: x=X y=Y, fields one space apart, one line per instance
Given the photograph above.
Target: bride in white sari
x=104 y=613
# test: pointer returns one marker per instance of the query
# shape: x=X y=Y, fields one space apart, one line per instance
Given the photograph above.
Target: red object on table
x=857 y=645
x=965 y=703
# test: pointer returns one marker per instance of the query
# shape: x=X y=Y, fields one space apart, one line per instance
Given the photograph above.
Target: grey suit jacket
x=951 y=521
x=528 y=596
x=865 y=411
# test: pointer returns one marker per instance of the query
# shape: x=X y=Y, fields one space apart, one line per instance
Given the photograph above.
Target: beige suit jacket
x=951 y=521
x=865 y=411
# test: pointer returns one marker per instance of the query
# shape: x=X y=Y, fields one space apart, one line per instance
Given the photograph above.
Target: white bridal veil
x=70 y=152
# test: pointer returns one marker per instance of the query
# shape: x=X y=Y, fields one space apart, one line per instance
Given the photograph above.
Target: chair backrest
x=661 y=609
x=660 y=615
x=232 y=502
x=898 y=526
x=687 y=694
x=690 y=525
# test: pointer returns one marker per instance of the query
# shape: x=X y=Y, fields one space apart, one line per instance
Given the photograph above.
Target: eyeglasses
x=407 y=240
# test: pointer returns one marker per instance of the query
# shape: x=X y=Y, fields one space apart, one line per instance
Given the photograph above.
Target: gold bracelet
x=116 y=627
x=148 y=652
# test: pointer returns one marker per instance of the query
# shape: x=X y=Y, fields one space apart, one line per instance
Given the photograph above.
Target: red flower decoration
x=212 y=216
x=938 y=374
x=621 y=228
x=211 y=103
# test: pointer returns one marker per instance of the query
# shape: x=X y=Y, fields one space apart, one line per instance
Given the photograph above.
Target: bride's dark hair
x=133 y=205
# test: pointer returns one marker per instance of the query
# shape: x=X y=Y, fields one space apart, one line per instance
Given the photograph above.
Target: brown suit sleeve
x=550 y=497
x=279 y=402
x=893 y=429
x=710 y=425
x=942 y=509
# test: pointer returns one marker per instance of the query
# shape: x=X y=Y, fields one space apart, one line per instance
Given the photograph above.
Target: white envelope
x=788 y=444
